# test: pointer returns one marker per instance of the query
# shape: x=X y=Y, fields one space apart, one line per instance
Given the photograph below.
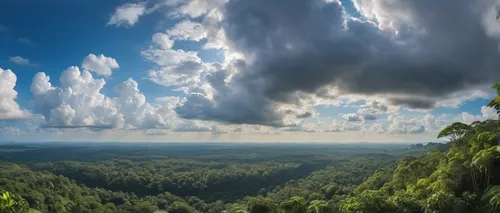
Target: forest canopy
x=459 y=176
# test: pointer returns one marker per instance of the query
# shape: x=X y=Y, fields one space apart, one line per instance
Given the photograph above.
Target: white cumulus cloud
x=80 y=103
x=9 y=108
x=100 y=64
x=486 y=113
x=187 y=30
x=77 y=103
x=163 y=40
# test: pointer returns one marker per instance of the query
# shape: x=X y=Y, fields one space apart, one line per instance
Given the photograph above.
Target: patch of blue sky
x=472 y=107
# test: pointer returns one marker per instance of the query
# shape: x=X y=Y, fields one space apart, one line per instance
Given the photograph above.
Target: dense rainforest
x=461 y=175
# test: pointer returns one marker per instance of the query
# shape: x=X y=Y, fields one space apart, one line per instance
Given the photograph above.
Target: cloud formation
x=127 y=15
x=283 y=61
x=292 y=56
x=20 y=61
x=9 y=108
x=79 y=103
x=101 y=64
x=486 y=113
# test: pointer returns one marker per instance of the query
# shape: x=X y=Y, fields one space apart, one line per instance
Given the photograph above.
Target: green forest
x=461 y=175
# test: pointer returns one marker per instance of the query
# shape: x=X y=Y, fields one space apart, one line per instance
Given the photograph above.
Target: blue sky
x=228 y=70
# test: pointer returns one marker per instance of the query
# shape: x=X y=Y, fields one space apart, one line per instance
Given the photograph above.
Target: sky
x=239 y=70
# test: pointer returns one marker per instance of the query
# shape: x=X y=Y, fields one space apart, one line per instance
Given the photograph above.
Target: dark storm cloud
x=234 y=103
x=415 y=103
x=305 y=45
x=453 y=53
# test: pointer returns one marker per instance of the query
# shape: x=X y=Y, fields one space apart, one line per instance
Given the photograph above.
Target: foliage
x=180 y=207
x=295 y=205
x=11 y=203
x=222 y=180
x=262 y=205
x=459 y=176
x=495 y=102
x=441 y=181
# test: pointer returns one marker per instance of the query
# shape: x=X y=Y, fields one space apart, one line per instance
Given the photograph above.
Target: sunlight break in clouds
x=231 y=68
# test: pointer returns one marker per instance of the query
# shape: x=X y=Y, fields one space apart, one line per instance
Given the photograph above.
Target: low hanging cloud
x=9 y=108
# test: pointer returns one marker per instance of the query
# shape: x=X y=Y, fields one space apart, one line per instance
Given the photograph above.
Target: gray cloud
x=233 y=104
x=362 y=59
x=304 y=115
x=416 y=103
x=354 y=118
x=369 y=117
x=351 y=117
x=302 y=46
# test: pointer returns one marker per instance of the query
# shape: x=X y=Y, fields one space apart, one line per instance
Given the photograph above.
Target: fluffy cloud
x=9 y=109
x=187 y=30
x=101 y=64
x=20 y=61
x=195 y=8
x=176 y=67
x=486 y=113
x=163 y=40
x=184 y=30
x=170 y=57
x=137 y=113
x=392 y=52
x=489 y=113
x=79 y=103
x=399 y=125
x=376 y=128
x=127 y=15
